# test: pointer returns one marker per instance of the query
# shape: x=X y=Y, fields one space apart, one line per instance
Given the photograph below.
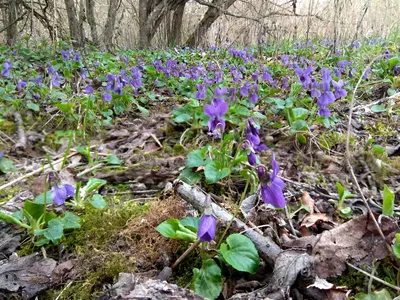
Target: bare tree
x=92 y=21
x=73 y=22
x=110 y=23
x=12 y=19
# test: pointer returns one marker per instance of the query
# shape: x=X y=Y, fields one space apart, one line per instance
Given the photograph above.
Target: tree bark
x=12 y=30
x=82 y=19
x=73 y=22
x=110 y=23
x=175 y=34
x=92 y=22
x=209 y=18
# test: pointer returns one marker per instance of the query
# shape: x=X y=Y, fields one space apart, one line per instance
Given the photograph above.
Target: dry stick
x=37 y=171
x=374 y=277
x=266 y=247
x=186 y=253
x=90 y=169
x=21 y=144
x=353 y=176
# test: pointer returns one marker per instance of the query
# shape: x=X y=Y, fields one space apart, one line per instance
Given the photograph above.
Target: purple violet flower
x=207 y=228
x=60 y=193
x=208 y=223
x=272 y=189
x=215 y=110
x=21 y=84
x=201 y=91
x=107 y=97
x=7 y=67
x=339 y=90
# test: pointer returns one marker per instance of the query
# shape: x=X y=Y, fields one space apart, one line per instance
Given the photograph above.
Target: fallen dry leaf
x=306 y=200
x=313 y=223
x=356 y=241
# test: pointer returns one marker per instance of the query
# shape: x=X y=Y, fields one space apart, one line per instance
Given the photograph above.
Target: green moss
x=100 y=261
x=380 y=129
x=7 y=127
x=8 y=194
x=179 y=149
x=330 y=139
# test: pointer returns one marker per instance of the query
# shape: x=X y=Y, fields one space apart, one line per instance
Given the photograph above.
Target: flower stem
x=235 y=214
x=186 y=253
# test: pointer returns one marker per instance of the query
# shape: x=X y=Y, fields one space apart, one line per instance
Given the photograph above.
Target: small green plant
x=237 y=251
x=343 y=195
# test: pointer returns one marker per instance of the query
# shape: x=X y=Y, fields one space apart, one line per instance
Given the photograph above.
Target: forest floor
x=129 y=132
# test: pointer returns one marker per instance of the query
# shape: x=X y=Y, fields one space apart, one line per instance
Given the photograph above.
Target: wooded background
x=163 y=23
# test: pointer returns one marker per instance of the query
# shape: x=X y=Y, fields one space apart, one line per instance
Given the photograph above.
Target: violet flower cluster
x=60 y=193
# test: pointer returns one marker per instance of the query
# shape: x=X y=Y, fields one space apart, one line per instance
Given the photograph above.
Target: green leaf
x=242 y=111
x=295 y=89
x=145 y=112
x=182 y=118
x=172 y=228
x=300 y=113
x=12 y=220
x=259 y=115
x=192 y=223
x=94 y=184
x=299 y=125
x=33 y=210
x=396 y=246
x=113 y=160
x=240 y=253
x=54 y=231
x=206 y=282
x=56 y=95
x=377 y=108
x=6 y=165
x=40 y=199
x=33 y=106
x=376 y=295
x=65 y=107
x=388 y=202
x=301 y=139
x=98 y=201
x=190 y=177
x=378 y=149
x=214 y=172
x=70 y=221
x=42 y=241
x=196 y=158
x=346 y=212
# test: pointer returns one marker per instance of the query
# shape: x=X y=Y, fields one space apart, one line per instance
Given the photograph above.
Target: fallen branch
x=20 y=146
x=266 y=247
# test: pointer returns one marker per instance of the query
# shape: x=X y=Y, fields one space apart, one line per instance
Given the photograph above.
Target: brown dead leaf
x=322 y=289
x=356 y=241
x=315 y=223
x=306 y=200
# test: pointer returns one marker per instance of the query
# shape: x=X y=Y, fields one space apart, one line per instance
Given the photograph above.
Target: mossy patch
x=119 y=239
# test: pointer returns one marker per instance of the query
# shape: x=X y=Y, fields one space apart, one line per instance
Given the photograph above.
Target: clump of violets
x=6 y=72
x=327 y=97
x=253 y=143
x=272 y=188
x=208 y=223
x=60 y=193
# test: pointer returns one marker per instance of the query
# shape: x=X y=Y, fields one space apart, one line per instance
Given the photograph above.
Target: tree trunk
x=209 y=18
x=82 y=19
x=110 y=23
x=12 y=30
x=92 y=21
x=73 y=22
x=175 y=33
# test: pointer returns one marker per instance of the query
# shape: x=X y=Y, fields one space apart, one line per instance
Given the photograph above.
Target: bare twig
x=374 y=277
x=20 y=146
